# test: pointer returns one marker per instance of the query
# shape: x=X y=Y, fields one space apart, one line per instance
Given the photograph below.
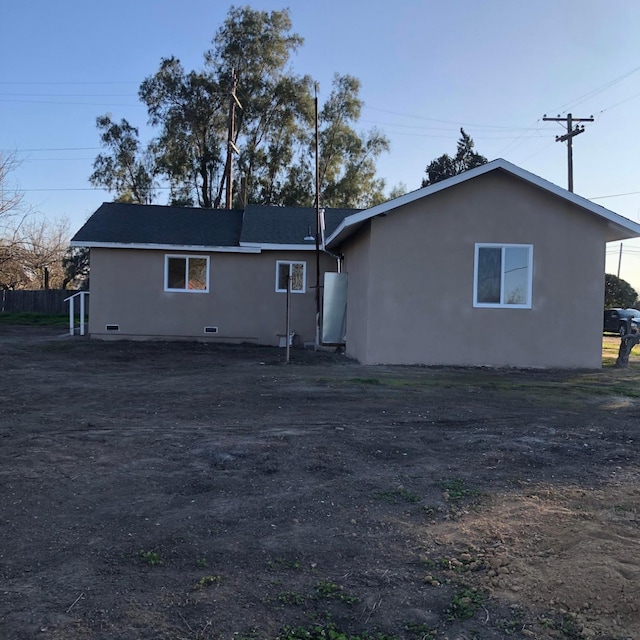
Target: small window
x=503 y=276
x=186 y=273
x=294 y=270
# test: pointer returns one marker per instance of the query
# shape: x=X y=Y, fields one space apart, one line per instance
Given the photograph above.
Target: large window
x=503 y=276
x=294 y=270
x=186 y=273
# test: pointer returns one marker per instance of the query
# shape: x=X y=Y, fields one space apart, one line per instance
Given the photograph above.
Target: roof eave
x=164 y=247
x=621 y=227
x=281 y=246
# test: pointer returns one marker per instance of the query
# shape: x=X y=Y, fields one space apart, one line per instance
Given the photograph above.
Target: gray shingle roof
x=137 y=224
x=265 y=224
x=118 y=223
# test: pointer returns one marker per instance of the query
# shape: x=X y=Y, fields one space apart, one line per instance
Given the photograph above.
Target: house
x=175 y=273
x=493 y=267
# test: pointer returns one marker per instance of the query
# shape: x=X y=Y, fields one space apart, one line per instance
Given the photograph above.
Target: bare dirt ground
x=183 y=491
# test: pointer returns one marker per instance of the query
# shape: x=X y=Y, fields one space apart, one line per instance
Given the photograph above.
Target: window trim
x=187 y=257
x=502 y=304
x=290 y=263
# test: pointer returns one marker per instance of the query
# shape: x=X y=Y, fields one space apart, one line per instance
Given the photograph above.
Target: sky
x=427 y=68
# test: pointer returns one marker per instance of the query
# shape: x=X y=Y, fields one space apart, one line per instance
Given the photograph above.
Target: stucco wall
x=127 y=289
x=358 y=295
x=420 y=305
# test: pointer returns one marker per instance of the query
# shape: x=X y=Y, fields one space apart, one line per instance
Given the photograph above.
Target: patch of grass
x=202 y=563
x=510 y=626
x=564 y=627
x=208 y=581
x=394 y=496
x=326 y=590
x=152 y=558
x=456 y=489
x=291 y=598
x=365 y=380
x=284 y=564
x=465 y=602
x=35 y=319
x=327 y=631
x=421 y=630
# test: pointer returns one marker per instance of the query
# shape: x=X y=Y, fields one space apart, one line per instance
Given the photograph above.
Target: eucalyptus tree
x=248 y=93
x=347 y=159
x=190 y=111
x=125 y=169
x=253 y=49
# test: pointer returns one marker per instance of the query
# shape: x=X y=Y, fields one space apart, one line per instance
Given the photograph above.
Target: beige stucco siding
x=127 y=289
x=421 y=271
x=359 y=297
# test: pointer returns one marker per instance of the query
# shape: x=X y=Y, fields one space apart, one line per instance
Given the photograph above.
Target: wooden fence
x=50 y=301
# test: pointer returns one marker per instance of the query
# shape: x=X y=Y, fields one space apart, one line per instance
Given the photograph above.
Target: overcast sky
x=427 y=68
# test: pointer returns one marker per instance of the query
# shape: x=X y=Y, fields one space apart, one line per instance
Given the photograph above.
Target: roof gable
x=619 y=226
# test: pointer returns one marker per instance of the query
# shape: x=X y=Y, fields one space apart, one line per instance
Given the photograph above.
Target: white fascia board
x=620 y=224
x=163 y=247
x=278 y=247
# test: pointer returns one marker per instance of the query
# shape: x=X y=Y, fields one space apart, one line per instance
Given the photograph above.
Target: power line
x=80 y=189
x=71 y=95
x=51 y=149
x=76 y=104
x=457 y=124
x=58 y=83
x=597 y=90
x=616 y=195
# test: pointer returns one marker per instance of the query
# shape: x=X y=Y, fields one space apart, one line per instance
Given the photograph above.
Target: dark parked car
x=621 y=321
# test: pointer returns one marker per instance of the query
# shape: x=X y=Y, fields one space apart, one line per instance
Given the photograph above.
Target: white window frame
x=291 y=263
x=502 y=304
x=187 y=257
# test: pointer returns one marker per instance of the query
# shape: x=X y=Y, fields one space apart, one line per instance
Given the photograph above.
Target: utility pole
x=231 y=147
x=568 y=137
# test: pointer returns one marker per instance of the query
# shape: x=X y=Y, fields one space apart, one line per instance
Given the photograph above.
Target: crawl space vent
x=211 y=329
x=113 y=327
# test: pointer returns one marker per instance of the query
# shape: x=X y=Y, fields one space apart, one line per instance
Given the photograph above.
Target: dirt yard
x=182 y=491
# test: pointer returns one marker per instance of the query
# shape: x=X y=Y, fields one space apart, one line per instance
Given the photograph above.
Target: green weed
x=291 y=598
x=421 y=630
x=394 y=496
x=464 y=604
x=327 y=631
x=152 y=558
x=284 y=564
x=326 y=590
x=208 y=581
x=564 y=627
x=456 y=489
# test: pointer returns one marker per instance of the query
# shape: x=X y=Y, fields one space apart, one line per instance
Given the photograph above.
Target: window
x=186 y=273
x=503 y=276
x=294 y=270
